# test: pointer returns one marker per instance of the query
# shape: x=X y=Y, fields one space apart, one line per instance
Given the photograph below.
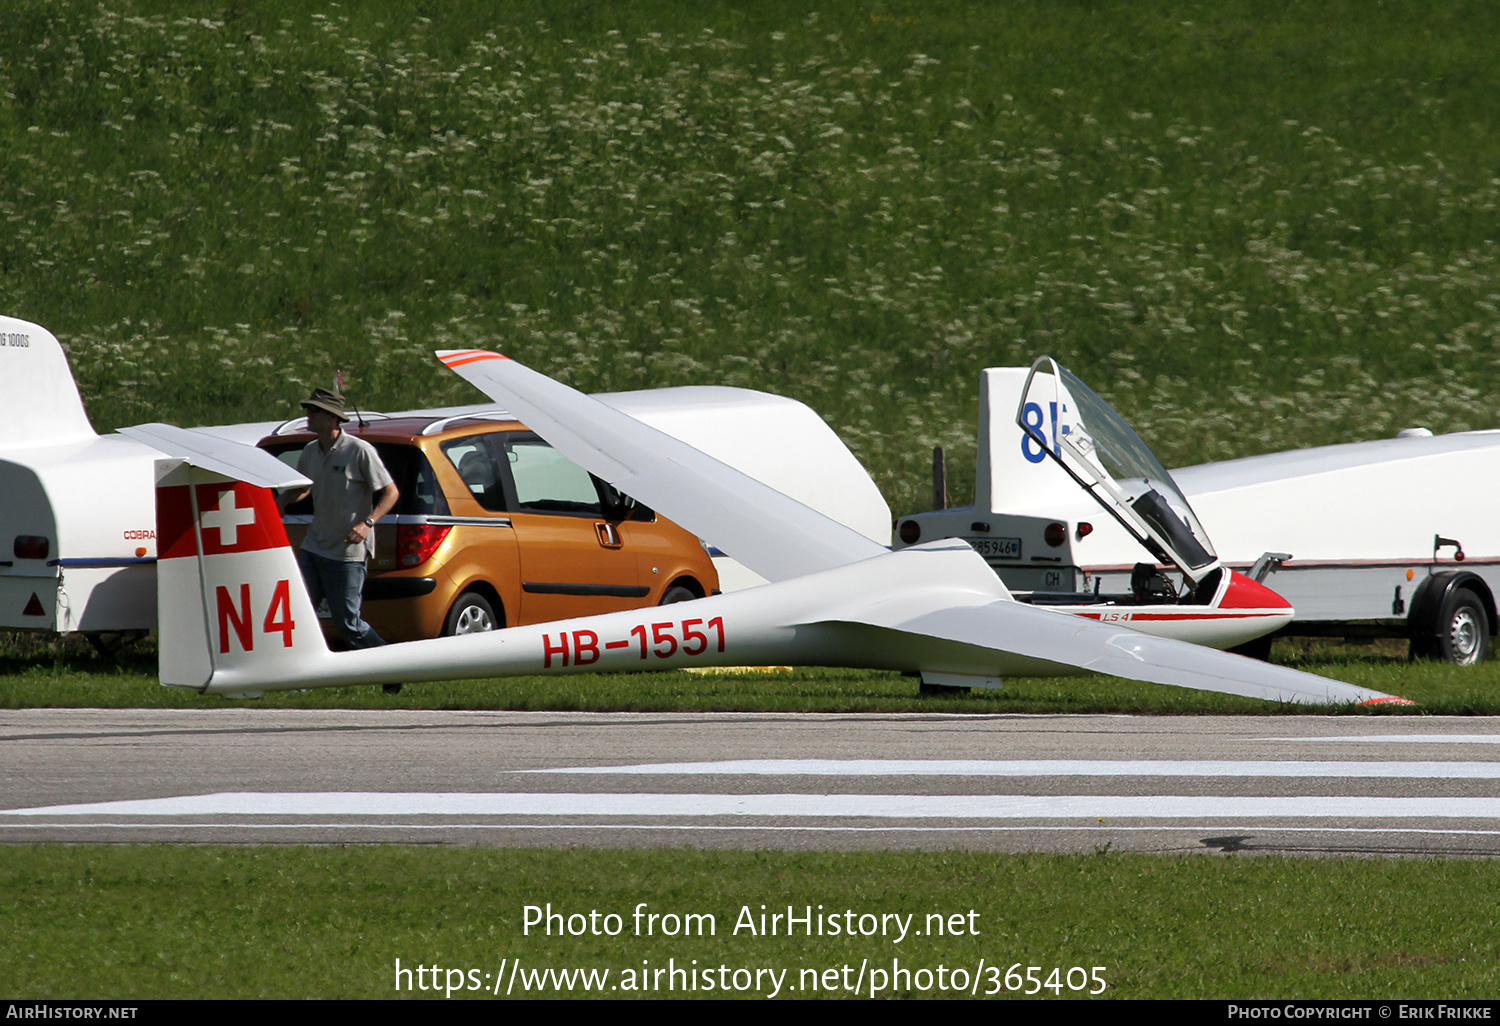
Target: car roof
x=380 y=427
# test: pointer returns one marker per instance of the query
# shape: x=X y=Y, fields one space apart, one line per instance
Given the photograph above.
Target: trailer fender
x=1436 y=603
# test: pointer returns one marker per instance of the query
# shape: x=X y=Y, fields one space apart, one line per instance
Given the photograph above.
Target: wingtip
x=459 y=357
x=1388 y=700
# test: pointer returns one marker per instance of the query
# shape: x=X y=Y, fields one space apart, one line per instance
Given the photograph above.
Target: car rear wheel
x=677 y=593
x=471 y=614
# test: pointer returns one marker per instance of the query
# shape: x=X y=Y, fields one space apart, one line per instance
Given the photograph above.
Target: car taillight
x=31 y=546
x=415 y=543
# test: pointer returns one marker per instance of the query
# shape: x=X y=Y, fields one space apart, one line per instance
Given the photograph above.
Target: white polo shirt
x=344 y=482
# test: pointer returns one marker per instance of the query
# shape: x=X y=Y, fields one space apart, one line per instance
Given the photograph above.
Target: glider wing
x=776 y=536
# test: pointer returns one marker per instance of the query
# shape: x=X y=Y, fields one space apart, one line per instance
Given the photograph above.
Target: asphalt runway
x=1304 y=785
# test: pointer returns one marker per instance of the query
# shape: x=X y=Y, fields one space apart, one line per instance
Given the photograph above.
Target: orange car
x=495 y=528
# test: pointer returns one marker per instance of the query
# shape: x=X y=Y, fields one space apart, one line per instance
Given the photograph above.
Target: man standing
x=351 y=489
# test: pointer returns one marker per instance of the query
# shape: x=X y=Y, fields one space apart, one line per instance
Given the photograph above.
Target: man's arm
x=385 y=501
x=288 y=498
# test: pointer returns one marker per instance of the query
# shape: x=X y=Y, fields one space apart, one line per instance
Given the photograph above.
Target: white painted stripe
x=1398 y=739
x=1101 y=827
x=886 y=806
x=1048 y=768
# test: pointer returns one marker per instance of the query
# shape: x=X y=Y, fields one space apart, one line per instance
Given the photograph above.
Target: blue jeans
x=342 y=584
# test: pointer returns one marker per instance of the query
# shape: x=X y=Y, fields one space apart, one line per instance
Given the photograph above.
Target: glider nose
x=1243 y=593
x=1269 y=609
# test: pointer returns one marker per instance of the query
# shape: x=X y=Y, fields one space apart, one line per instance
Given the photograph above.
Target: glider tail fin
x=39 y=400
x=1013 y=472
x=231 y=601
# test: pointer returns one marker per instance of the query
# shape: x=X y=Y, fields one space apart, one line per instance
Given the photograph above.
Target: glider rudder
x=230 y=599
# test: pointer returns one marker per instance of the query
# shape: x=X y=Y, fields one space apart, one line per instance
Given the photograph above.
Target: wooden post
x=939 y=478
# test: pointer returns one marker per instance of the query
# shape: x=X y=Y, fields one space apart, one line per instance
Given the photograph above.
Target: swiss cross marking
x=228 y=518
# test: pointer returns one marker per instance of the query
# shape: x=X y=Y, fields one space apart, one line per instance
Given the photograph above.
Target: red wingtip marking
x=1391 y=699
x=471 y=356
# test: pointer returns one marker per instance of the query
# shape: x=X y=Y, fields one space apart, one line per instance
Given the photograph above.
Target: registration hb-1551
x=663 y=640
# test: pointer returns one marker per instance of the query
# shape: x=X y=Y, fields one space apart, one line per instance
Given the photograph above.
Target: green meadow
x=214 y=922
x=38 y=672
x=1251 y=226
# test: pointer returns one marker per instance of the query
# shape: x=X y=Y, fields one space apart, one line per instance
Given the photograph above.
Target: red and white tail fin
x=230 y=598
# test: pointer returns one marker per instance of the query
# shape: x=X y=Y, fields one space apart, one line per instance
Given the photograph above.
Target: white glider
x=236 y=620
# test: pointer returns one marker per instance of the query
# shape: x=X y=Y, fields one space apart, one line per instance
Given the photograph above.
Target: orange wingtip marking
x=472 y=356
x=1392 y=699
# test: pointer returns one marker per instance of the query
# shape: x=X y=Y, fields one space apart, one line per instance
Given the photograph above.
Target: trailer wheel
x=1463 y=629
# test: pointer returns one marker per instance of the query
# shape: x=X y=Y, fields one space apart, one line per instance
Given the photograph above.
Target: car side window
x=548 y=482
x=420 y=494
x=474 y=459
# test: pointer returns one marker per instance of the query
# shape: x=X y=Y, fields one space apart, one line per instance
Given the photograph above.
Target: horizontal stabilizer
x=222 y=456
x=772 y=534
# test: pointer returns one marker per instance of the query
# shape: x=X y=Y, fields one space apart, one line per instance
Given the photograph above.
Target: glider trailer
x=77 y=518
x=1396 y=538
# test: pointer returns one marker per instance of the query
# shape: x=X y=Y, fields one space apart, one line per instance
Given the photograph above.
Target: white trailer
x=77 y=511
x=1398 y=537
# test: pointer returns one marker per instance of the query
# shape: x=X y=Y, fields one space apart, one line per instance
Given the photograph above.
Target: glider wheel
x=941 y=690
x=1259 y=648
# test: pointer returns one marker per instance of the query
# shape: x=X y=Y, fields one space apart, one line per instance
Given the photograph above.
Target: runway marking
x=840 y=806
x=1047 y=768
x=759 y=828
x=1397 y=739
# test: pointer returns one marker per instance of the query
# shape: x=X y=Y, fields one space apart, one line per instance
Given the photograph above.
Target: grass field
x=1251 y=226
x=68 y=673
x=154 y=922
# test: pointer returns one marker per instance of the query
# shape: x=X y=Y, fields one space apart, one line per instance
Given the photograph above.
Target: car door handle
x=609 y=536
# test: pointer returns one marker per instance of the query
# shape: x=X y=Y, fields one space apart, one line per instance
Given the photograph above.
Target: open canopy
x=1101 y=451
